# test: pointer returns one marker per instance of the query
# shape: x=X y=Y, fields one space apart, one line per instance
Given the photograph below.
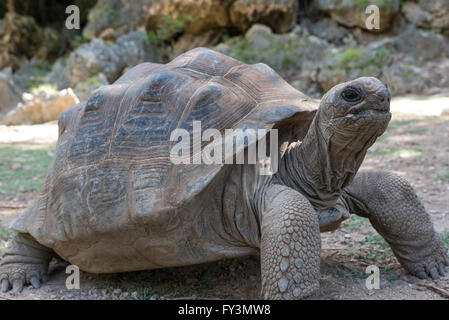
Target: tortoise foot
x=24 y=262
x=428 y=263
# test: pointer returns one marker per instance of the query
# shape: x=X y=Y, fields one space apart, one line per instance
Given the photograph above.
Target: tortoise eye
x=351 y=95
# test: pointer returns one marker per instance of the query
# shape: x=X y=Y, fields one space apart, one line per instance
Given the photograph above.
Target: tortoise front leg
x=290 y=245
x=395 y=211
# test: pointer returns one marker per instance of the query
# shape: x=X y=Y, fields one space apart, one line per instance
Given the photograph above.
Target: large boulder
x=110 y=19
x=114 y=18
x=41 y=106
x=92 y=58
x=352 y=13
x=280 y=15
x=428 y=14
x=286 y=53
x=21 y=39
x=328 y=30
x=59 y=76
x=404 y=77
x=420 y=44
x=99 y=56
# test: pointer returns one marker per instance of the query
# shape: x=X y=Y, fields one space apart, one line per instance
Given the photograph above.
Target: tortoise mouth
x=368 y=111
x=359 y=113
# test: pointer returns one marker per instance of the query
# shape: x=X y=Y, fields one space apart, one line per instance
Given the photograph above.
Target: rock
x=10 y=94
x=84 y=89
x=41 y=106
x=21 y=38
x=280 y=15
x=189 y=41
x=117 y=292
x=290 y=52
x=107 y=14
x=31 y=74
x=124 y=295
x=420 y=44
x=133 y=48
x=111 y=59
x=428 y=14
x=110 y=19
x=58 y=75
x=351 y=13
x=404 y=79
x=260 y=36
x=328 y=30
x=437 y=72
x=92 y=58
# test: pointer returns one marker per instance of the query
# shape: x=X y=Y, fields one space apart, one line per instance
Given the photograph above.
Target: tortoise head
x=351 y=116
x=362 y=104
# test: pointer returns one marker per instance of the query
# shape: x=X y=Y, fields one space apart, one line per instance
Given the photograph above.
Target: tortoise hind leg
x=24 y=261
x=395 y=211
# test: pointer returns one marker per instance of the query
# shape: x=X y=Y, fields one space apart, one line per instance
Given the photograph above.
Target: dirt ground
x=415 y=146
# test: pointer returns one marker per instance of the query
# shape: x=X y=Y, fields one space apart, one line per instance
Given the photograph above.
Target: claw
x=422 y=275
x=35 y=283
x=434 y=274
x=17 y=286
x=5 y=285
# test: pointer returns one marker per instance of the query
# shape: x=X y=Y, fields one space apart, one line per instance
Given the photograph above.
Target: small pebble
x=124 y=295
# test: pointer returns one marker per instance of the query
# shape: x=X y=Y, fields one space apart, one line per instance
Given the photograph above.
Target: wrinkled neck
x=325 y=162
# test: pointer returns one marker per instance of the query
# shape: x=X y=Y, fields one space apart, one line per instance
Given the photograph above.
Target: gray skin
x=279 y=217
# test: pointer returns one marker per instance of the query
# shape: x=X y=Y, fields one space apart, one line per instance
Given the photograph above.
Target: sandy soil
x=415 y=146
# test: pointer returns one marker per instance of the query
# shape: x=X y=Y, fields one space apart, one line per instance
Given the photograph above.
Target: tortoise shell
x=112 y=165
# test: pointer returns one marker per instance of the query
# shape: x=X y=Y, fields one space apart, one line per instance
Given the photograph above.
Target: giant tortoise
x=114 y=200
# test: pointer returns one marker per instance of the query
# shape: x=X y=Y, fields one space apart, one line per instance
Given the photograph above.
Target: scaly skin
x=395 y=211
x=290 y=245
x=24 y=262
